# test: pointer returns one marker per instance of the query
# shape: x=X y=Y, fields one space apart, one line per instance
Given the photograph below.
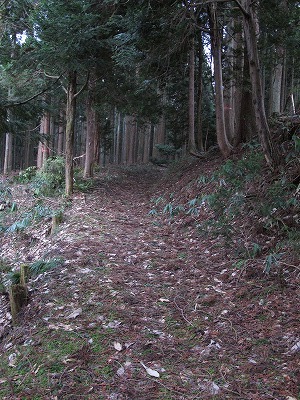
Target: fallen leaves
x=133 y=290
x=75 y=313
x=150 y=371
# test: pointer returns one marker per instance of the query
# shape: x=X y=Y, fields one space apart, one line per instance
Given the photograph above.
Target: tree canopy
x=200 y=72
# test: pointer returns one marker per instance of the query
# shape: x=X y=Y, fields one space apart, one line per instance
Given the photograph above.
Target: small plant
x=153 y=212
x=14 y=277
x=40 y=266
x=38 y=212
x=272 y=260
x=27 y=175
x=172 y=210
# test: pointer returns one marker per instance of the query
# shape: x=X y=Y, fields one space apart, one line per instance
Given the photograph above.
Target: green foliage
x=81 y=184
x=5 y=193
x=27 y=175
x=40 y=266
x=166 y=149
x=50 y=180
x=14 y=277
x=172 y=209
x=239 y=190
x=38 y=212
x=271 y=261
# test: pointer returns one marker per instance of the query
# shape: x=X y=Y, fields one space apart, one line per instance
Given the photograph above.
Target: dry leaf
x=12 y=360
x=118 y=346
x=75 y=313
x=150 y=371
x=163 y=300
x=121 y=371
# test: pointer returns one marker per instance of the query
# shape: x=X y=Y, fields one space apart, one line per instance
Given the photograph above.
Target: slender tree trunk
x=151 y=141
x=200 y=96
x=270 y=152
x=247 y=124
x=43 y=147
x=233 y=86
x=7 y=168
x=70 y=127
x=216 y=47
x=27 y=142
x=90 y=132
x=277 y=81
x=47 y=123
x=60 y=139
x=191 y=138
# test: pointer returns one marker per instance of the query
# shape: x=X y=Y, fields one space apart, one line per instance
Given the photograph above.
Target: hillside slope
x=148 y=299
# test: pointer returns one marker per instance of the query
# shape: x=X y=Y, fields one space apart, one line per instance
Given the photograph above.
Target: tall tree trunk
x=46 y=141
x=216 y=47
x=90 y=131
x=247 y=124
x=60 y=139
x=200 y=96
x=27 y=143
x=70 y=125
x=249 y=19
x=191 y=138
x=233 y=87
x=277 y=81
x=7 y=168
x=43 y=147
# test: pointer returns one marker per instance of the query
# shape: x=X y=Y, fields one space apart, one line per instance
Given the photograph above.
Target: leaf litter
x=135 y=292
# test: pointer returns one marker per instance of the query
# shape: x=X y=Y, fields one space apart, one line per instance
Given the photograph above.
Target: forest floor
x=145 y=306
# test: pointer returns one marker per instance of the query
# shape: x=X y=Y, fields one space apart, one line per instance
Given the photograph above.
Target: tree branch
x=56 y=77
x=32 y=97
x=245 y=13
x=83 y=87
x=238 y=3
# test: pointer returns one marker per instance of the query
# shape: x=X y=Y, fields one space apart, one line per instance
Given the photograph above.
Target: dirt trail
x=138 y=291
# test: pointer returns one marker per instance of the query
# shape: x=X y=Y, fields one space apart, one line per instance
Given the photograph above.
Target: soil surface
x=144 y=306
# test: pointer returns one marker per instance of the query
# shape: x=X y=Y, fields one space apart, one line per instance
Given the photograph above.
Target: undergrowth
x=49 y=181
x=241 y=190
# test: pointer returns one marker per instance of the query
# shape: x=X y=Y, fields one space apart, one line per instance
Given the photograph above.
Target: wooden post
x=18 y=293
x=24 y=271
x=56 y=220
x=18 y=297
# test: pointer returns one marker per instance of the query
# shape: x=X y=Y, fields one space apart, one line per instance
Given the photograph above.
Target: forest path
x=137 y=290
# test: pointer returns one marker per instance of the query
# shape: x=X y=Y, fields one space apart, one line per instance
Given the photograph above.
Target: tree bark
x=191 y=139
x=216 y=48
x=70 y=125
x=200 y=96
x=60 y=139
x=90 y=132
x=270 y=152
x=7 y=168
x=277 y=81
